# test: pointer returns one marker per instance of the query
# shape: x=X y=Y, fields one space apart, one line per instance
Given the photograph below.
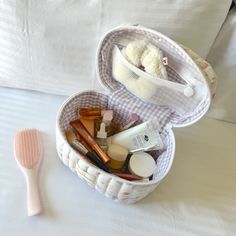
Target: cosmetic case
x=184 y=67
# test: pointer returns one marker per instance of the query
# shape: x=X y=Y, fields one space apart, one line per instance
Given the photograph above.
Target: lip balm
x=142 y=164
x=101 y=137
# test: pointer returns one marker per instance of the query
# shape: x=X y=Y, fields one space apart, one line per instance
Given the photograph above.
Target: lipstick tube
x=78 y=126
x=127 y=176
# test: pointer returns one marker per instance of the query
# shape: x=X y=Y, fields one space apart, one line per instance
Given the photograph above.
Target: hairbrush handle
x=33 y=200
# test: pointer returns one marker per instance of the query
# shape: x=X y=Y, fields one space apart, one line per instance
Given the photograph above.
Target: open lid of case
x=186 y=93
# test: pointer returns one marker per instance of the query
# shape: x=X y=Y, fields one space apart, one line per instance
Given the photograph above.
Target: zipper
x=186 y=90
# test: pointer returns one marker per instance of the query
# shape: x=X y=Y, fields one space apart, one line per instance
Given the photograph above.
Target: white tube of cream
x=143 y=137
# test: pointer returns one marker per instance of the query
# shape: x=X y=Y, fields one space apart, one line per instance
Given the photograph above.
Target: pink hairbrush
x=28 y=147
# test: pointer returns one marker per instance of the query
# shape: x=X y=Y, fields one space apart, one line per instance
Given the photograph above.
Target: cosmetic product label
x=143 y=137
x=146 y=140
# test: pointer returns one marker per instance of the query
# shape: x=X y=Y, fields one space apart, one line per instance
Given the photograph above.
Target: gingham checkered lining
x=189 y=111
x=163 y=160
x=93 y=99
x=173 y=99
x=85 y=99
x=122 y=102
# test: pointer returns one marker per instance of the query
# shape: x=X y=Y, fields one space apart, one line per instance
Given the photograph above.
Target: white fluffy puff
x=120 y=71
x=134 y=51
x=151 y=60
x=141 y=88
x=139 y=53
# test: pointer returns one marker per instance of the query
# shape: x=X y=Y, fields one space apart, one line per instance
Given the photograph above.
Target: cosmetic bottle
x=142 y=164
x=102 y=136
x=82 y=131
x=107 y=117
x=89 y=112
x=118 y=155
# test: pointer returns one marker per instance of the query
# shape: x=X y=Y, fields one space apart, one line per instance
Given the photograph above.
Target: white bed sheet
x=223 y=59
x=47 y=43
x=198 y=197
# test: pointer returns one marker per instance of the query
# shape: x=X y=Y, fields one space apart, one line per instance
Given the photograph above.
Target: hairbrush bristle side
x=28 y=147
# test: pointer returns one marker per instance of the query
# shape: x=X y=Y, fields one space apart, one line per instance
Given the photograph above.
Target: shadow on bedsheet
x=202 y=182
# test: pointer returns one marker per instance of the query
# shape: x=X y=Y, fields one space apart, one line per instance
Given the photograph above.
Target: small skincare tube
x=143 y=137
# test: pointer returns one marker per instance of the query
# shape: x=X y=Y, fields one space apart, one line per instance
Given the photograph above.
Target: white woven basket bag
x=195 y=83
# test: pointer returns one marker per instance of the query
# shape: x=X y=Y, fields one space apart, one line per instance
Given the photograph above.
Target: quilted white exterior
x=120 y=101
x=111 y=186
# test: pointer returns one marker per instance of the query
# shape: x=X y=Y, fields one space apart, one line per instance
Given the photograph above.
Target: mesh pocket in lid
x=185 y=69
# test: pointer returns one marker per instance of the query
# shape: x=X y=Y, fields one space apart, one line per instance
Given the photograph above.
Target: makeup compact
x=145 y=73
x=142 y=164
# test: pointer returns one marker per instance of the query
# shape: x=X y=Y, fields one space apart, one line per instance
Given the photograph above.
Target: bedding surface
x=50 y=46
x=198 y=197
x=223 y=59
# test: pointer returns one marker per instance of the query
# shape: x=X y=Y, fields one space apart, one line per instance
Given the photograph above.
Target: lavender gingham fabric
x=182 y=109
x=122 y=104
x=85 y=99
